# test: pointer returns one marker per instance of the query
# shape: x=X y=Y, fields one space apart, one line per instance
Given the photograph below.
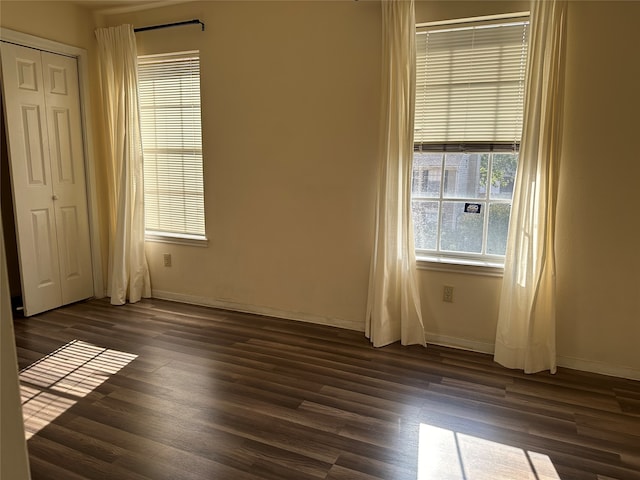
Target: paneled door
x=45 y=144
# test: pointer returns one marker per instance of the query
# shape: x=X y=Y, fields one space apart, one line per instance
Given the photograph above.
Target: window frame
x=453 y=261
x=174 y=237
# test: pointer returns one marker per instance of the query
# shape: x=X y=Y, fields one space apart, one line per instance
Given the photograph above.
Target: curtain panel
x=526 y=330
x=128 y=272
x=393 y=306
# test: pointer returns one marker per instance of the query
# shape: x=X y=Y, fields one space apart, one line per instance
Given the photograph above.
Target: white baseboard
x=599 y=367
x=566 y=362
x=257 y=309
x=433 y=338
x=461 y=343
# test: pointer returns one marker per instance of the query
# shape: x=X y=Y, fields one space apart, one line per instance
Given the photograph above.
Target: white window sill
x=177 y=239
x=460 y=265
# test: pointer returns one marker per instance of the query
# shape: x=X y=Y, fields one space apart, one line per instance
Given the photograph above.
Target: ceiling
x=116 y=6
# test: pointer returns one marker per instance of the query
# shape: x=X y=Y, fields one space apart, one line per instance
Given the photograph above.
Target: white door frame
x=82 y=58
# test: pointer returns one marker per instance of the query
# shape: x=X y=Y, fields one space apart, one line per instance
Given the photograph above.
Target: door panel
x=69 y=235
x=57 y=78
x=62 y=157
x=44 y=259
x=28 y=72
x=35 y=160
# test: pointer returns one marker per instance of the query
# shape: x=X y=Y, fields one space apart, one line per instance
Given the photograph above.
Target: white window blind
x=169 y=92
x=470 y=82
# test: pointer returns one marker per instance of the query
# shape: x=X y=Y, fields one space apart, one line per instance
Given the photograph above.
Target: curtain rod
x=168 y=25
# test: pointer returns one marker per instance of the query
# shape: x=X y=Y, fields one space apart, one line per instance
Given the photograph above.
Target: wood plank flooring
x=160 y=390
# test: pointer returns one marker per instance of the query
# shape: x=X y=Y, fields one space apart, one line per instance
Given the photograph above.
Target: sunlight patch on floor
x=449 y=455
x=55 y=383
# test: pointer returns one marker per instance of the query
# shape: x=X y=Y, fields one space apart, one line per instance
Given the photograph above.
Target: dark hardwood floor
x=161 y=390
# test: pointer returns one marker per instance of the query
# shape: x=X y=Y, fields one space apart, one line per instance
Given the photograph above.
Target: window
x=468 y=123
x=169 y=92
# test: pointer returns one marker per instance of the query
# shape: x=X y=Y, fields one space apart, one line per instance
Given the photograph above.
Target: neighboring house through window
x=169 y=96
x=468 y=123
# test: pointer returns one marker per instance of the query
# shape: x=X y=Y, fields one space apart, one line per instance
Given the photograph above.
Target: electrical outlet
x=447 y=294
x=167 y=259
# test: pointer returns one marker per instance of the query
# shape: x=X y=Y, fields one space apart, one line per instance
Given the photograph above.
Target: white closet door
x=43 y=153
x=28 y=144
x=67 y=175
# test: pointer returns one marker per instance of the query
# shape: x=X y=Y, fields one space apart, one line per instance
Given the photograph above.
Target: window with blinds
x=470 y=84
x=169 y=99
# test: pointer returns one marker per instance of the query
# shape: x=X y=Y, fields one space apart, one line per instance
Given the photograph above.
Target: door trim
x=82 y=57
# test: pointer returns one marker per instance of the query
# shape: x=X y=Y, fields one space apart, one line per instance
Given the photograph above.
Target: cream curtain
x=128 y=271
x=393 y=307
x=526 y=331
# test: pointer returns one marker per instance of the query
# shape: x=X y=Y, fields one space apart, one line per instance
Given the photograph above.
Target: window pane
x=498 y=228
x=460 y=231
x=503 y=175
x=425 y=224
x=462 y=177
x=427 y=173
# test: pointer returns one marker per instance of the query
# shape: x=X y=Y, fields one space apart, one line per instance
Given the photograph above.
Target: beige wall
x=598 y=219
x=598 y=321
x=290 y=177
x=59 y=21
x=290 y=101
x=290 y=95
